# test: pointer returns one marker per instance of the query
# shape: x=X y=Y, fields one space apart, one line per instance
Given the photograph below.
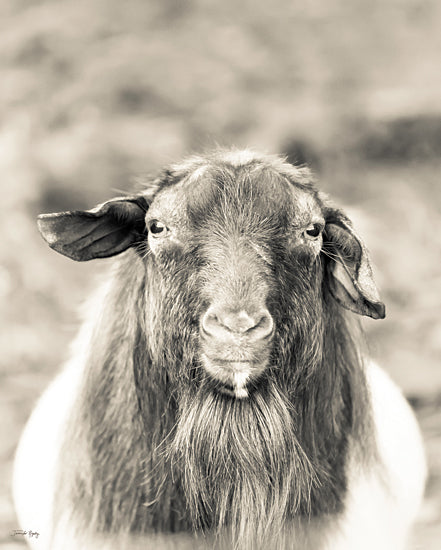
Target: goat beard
x=240 y=464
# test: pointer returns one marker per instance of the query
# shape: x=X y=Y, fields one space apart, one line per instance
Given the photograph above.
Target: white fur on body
x=381 y=504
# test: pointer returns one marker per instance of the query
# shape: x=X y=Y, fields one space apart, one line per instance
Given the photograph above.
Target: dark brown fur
x=153 y=444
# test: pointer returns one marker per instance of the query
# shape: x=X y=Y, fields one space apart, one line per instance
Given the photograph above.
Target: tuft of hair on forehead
x=196 y=166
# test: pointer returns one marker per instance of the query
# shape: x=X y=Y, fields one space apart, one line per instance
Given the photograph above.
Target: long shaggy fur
x=159 y=449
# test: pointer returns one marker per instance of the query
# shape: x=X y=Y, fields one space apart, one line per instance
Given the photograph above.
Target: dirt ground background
x=93 y=93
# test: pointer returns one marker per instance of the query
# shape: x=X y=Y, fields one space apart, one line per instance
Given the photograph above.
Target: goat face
x=235 y=255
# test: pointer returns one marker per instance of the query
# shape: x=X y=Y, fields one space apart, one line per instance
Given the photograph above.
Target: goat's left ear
x=104 y=231
x=349 y=271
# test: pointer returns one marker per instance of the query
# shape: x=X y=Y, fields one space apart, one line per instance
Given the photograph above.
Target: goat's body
x=380 y=506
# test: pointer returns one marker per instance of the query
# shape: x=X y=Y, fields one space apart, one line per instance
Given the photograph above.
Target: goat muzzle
x=235 y=345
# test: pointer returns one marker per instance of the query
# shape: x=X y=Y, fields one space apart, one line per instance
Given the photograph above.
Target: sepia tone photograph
x=220 y=275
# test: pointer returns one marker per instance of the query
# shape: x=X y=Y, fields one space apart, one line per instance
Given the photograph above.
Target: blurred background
x=94 y=93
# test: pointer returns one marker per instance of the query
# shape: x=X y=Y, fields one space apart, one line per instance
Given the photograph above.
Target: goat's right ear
x=104 y=231
x=349 y=272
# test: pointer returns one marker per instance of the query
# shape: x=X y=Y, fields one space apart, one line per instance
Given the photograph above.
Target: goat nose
x=221 y=323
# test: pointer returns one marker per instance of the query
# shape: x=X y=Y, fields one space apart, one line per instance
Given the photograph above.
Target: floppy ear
x=349 y=271
x=104 y=231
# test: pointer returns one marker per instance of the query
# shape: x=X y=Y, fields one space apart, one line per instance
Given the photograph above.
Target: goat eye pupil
x=157 y=228
x=314 y=230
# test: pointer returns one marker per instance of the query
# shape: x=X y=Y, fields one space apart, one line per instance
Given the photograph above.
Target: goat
x=218 y=395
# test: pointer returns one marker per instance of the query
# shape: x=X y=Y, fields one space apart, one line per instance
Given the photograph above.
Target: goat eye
x=157 y=228
x=313 y=230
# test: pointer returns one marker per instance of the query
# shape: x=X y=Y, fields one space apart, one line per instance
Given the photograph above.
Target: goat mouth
x=233 y=363
x=232 y=376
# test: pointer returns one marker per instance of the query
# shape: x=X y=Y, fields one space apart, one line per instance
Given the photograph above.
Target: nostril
x=264 y=327
x=210 y=323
